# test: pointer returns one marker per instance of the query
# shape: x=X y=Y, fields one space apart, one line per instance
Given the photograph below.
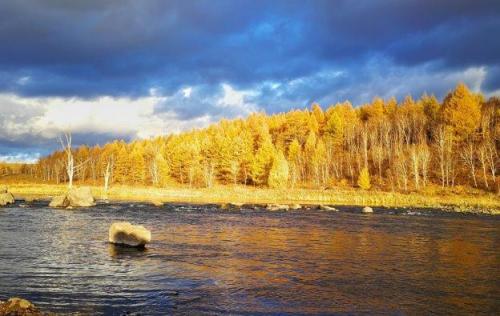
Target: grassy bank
x=471 y=200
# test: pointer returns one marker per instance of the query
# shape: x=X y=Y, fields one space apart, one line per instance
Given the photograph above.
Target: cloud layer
x=138 y=68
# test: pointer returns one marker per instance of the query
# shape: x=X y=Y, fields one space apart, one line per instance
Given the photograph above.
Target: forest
x=390 y=145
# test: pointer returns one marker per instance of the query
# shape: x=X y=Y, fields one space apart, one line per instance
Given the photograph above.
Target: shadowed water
x=208 y=261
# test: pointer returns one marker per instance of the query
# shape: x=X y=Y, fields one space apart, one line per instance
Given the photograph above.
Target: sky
x=106 y=69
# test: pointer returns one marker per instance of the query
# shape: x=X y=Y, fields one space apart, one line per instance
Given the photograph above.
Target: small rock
x=124 y=233
x=295 y=206
x=328 y=208
x=367 y=210
x=277 y=207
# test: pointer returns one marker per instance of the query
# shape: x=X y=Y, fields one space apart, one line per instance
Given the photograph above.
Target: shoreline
x=445 y=200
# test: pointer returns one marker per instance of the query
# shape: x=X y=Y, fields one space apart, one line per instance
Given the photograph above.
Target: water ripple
x=206 y=261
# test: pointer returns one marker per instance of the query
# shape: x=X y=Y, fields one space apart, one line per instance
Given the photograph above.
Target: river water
x=204 y=260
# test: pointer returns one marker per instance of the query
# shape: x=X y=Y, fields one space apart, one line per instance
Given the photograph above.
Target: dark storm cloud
x=92 y=48
x=286 y=54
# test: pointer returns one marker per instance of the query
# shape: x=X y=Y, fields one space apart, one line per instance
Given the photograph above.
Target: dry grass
x=461 y=200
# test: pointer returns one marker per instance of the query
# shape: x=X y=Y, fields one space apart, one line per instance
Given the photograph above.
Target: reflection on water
x=205 y=261
x=119 y=251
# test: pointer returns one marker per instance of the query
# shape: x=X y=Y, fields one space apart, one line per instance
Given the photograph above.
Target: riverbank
x=470 y=201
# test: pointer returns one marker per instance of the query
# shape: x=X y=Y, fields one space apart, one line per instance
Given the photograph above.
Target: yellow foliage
x=364 y=179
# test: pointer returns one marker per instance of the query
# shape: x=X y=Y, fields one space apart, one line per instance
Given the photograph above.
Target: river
x=204 y=260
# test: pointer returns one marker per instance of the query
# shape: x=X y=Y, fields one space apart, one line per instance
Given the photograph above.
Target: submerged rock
x=124 y=233
x=19 y=307
x=328 y=208
x=76 y=197
x=277 y=207
x=367 y=210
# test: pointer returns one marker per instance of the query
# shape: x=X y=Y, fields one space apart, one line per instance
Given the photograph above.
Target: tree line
x=391 y=145
x=9 y=169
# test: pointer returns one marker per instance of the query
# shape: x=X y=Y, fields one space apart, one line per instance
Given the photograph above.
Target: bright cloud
x=187 y=92
x=236 y=99
x=30 y=122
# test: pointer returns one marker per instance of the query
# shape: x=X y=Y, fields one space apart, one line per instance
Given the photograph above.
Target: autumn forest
x=390 y=145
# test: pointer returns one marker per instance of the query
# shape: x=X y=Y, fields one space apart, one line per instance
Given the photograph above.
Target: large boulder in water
x=80 y=197
x=19 y=307
x=124 y=233
x=59 y=201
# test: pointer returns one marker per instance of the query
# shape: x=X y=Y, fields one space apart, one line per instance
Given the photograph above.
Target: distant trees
x=384 y=144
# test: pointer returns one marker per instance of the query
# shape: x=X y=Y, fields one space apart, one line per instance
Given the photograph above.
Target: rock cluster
x=76 y=197
x=124 y=233
x=5 y=196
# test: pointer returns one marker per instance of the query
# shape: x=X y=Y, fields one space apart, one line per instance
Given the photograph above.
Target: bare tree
x=467 y=154
x=70 y=163
x=71 y=168
x=107 y=174
x=415 y=159
x=364 y=144
x=493 y=159
x=425 y=157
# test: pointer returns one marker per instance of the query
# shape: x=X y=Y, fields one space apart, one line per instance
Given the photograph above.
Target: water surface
x=204 y=260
